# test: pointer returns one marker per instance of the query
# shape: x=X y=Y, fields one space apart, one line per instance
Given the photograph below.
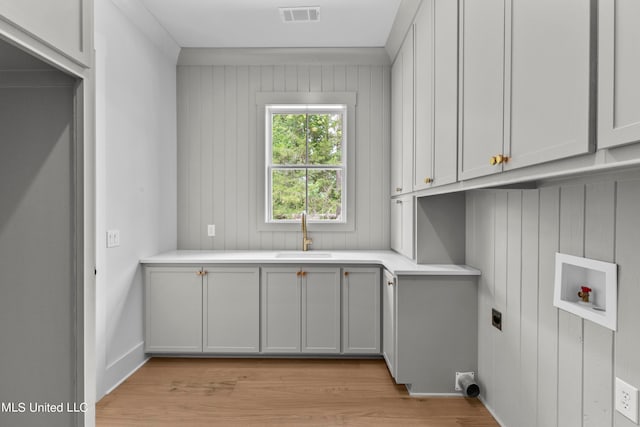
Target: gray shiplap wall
x=218 y=153
x=548 y=367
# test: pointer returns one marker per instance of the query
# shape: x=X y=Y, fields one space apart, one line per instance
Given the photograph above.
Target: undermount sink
x=303 y=255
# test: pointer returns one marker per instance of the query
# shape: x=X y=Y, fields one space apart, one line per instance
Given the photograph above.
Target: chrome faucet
x=305 y=239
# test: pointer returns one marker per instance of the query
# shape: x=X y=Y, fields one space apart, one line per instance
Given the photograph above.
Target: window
x=306 y=163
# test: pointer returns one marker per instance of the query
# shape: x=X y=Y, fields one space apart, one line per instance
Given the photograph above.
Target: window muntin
x=306 y=163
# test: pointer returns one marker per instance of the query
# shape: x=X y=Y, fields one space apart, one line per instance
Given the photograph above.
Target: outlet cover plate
x=113 y=238
x=627 y=400
x=211 y=230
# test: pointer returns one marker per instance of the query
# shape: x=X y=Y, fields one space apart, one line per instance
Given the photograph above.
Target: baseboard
x=122 y=368
x=491 y=411
x=414 y=394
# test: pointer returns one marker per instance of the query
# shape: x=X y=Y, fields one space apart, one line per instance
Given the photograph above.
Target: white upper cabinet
x=436 y=61
x=525 y=97
x=65 y=25
x=618 y=71
x=402 y=118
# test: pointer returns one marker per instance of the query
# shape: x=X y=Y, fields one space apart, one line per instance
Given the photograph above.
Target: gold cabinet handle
x=390 y=283
x=500 y=159
x=298 y=273
x=493 y=160
x=304 y=273
x=199 y=273
x=428 y=180
x=205 y=272
x=398 y=189
x=346 y=273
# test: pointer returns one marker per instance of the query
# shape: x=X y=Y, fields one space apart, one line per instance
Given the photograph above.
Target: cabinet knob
x=304 y=273
x=398 y=202
x=346 y=273
x=428 y=180
x=198 y=273
x=205 y=272
x=398 y=189
x=493 y=160
x=390 y=283
x=501 y=159
x=298 y=273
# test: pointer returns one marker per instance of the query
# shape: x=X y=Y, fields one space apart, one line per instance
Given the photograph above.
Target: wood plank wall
x=547 y=367
x=218 y=151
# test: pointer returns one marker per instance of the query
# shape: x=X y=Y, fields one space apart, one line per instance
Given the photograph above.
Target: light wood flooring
x=277 y=392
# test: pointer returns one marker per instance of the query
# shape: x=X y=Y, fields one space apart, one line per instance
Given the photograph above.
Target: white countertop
x=396 y=264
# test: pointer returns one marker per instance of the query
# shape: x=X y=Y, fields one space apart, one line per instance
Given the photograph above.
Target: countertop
x=395 y=263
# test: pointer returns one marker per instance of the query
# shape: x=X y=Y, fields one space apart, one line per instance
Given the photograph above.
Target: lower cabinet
x=275 y=309
x=430 y=330
x=231 y=310
x=189 y=309
x=173 y=310
x=300 y=310
x=361 y=310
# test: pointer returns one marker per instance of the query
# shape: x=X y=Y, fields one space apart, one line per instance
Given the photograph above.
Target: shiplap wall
x=218 y=153
x=550 y=368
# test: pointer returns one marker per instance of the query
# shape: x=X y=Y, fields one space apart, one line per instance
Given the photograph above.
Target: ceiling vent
x=300 y=14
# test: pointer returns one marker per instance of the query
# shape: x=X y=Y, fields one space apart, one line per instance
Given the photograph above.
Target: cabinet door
x=445 y=132
x=547 y=112
x=361 y=310
x=280 y=303
x=424 y=96
x=482 y=29
x=388 y=322
x=173 y=306
x=231 y=310
x=396 y=126
x=407 y=111
x=320 y=310
x=402 y=219
x=618 y=71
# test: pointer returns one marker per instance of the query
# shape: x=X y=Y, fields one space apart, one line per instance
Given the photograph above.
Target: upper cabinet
x=402 y=118
x=436 y=62
x=524 y=98
x=65 y=25
x=618 y=71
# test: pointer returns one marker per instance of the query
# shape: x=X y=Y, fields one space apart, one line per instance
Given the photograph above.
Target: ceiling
x=257 y=23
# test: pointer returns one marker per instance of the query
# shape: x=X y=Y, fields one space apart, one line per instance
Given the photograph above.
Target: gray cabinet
x=66 y=25
x=618 y=71
x=430 y=330
x=361 y=310
x=231 y=309
x=320 y=309
x=524 y=99
x=300 y=310
x=436 y=61
x=402 y=225
x=173 y=309
x=402 y=111
x=389 y=322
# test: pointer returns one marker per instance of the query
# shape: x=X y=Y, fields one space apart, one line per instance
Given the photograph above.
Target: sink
x=303 y=255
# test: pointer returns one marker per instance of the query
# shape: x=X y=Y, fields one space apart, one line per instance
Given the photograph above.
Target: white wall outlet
x=113 y=238
x=627 y=400
x=211 y=230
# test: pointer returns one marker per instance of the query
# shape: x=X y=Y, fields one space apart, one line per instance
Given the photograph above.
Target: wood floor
x=277 y=392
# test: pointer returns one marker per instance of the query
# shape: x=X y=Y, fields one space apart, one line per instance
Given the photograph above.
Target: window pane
x=325 y=139
x=325 y=194
x=288 y=193
x=288 y=132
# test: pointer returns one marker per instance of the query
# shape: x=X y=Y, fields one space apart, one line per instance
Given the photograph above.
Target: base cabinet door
x=320 y=310
x=388 y=322
x=231 y=307
x=280 y=307
x=173 y=310
x=361 y=310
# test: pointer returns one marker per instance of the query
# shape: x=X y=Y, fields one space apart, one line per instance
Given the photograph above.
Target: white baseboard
x=491 y=411
x=122 y=368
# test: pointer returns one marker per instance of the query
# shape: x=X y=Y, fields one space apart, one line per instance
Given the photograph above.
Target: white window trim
x=263 y=99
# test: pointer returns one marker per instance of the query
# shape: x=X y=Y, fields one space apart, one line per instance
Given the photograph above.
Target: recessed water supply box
x=587 y=288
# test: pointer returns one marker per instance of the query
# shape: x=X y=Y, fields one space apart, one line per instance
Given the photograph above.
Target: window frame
x=263 y=150
x=306 y=109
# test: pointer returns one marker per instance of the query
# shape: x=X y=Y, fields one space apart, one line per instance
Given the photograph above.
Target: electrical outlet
x=211 y=230
x=496 y=319
x=627 y=400
x=113 y=238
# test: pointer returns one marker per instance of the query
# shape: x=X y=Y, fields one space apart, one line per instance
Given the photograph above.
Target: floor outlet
x=627 y=400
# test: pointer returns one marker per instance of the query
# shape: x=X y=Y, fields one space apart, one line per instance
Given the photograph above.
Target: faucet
x=305 y=239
